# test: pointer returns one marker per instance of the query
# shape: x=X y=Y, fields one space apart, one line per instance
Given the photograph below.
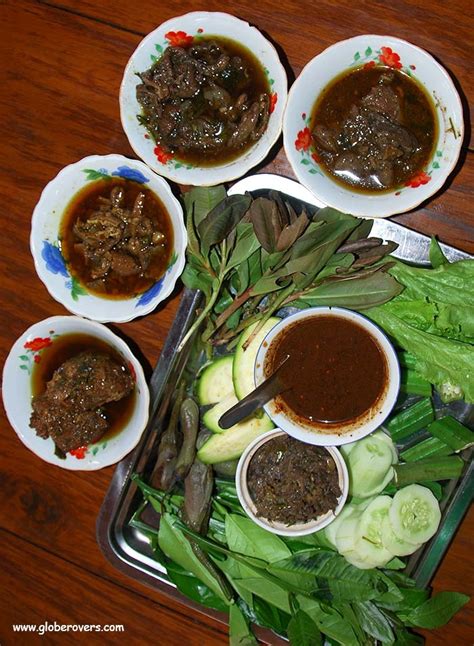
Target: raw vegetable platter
x=125 y=519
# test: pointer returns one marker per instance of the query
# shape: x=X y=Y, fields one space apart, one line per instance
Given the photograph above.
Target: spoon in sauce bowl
x=267 y=390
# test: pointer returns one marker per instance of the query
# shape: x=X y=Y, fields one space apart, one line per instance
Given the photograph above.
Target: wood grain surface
x=62 y=68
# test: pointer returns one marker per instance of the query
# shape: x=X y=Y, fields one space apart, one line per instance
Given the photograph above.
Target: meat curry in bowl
x=373 y=126
x=202 y=98
x=74 y=393
x=108 y=238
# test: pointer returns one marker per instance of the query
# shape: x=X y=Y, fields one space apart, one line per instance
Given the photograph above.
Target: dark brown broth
x=83 y=204
x=418 y=117
x=66 y=347
x=336 y=370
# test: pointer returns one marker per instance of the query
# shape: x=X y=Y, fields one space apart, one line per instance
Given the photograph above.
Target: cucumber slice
x=368 y=464
x=347 y=531
x=381 y=435
x=230 y=444
x=244 y=360
x=330 y=530
x=393 y=542
x=215 y=381
x=368 y=544
x=414 y=514
x=211 y=417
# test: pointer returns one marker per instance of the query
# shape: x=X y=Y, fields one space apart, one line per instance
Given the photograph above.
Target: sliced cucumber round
x=211 y=417
x=393 y=542
x=368 y=464
x=384 y=437
x=330 y=530
x=414 y=514
x=244 y=360
x=215 y=382
x=347 y=531
x=368 y=544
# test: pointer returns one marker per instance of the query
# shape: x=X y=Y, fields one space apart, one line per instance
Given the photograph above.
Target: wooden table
x=62 y=66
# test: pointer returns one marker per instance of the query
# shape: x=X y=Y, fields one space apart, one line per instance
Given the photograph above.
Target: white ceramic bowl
x=182 y=29
x=298 y=529
x=17 y=393
x=45 y=245
x=345 y=432
x=347 y=55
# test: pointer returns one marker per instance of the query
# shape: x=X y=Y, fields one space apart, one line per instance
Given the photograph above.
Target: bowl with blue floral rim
x=55 y=270
x=30 y=352
x=184 y=31
x=372 y=51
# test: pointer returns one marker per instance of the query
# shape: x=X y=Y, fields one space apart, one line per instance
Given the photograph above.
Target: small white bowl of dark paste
x=202 y=98
x=289 y=487
x=75 y=394
x=373 y=126
x=340 y=374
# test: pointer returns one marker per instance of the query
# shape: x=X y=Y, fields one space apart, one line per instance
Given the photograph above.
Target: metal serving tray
x=128 y=549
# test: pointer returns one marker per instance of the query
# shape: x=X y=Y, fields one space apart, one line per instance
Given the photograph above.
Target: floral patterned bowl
x=182 y=30
x=46 y=249
x=373 y=50
x=30 y=350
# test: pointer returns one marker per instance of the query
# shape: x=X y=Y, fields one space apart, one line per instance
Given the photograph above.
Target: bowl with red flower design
x=108 y=238
x=373 y=126
x=202 y=98
x=74 y=393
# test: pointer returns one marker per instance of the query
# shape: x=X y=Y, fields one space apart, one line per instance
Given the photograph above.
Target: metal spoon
x=268 y=389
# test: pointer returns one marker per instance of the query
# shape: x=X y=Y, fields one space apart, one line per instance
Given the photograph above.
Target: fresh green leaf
x=202 y=199
x=269 y=616
x=335 y=576
x=246 y=244
x=358 y=291
x=177 y=547
x=193 y=588
x=444 y=362
x=266 y=219
x=373 y=621
x=437 y=257
x=450 y=321
x=303 y=631
x=438 y=610
x=245 y=537
x=329 y=621
x=220 y=221
x=406 y=638
x=449 y=283
x=239 y=631
x=194 y=279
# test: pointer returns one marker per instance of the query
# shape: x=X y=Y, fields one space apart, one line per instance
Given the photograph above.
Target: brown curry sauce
x=336 y=371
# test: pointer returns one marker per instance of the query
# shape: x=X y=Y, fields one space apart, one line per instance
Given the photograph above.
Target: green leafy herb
x=438 y=610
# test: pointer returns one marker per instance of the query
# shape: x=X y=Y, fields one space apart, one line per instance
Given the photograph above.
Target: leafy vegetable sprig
x=299 y=587
x=250 y=257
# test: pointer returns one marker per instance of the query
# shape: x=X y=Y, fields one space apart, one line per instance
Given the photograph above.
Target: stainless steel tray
x=128 y=550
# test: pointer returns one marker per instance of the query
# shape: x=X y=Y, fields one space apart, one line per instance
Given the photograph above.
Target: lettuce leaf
x=442 y=319
x=451 y=283
x=446 y=363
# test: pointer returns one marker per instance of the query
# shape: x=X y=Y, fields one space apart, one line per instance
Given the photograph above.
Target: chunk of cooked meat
x=70 y=410
x=118 y=239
